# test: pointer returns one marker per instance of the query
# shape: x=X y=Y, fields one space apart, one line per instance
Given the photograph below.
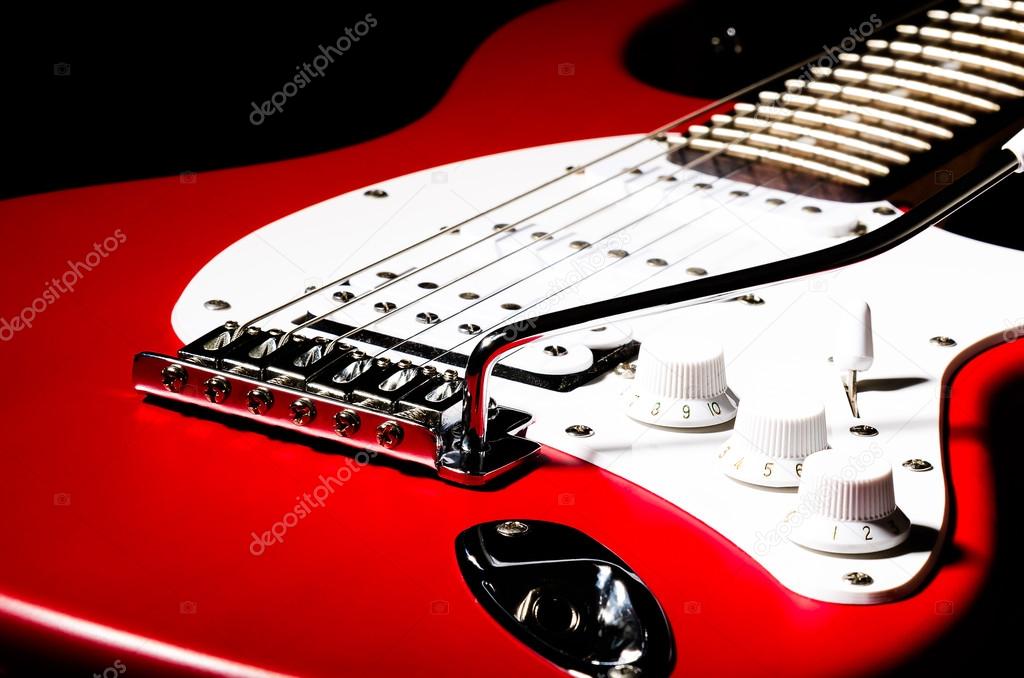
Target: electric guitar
x=571 y=398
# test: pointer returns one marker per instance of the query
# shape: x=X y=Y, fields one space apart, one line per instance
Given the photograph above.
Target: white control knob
x=847 y=504
x=774 y=432
x=680 y=382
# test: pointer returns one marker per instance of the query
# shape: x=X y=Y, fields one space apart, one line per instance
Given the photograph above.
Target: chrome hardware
x=918 y=465
x=567 y=597
x=389 y=435
x=579 y=431
x=259 y=400
x=216 y=305
x=216 y=390
x=174 y=378
x=303 y=411
x=512 y=528
x=346 y=423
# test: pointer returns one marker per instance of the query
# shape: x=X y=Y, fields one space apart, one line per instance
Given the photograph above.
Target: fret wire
x=996 y=87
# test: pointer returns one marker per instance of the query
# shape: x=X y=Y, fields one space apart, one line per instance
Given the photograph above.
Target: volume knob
x=680 y=382
x=775 y=431
x=847 y=504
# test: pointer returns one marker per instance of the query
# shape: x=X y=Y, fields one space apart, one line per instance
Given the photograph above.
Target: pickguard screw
x=343 y=295
x=697 y=271
x=259 y=400
x=917 y=465
x=864 y=430
x=303 y=411
x=943 y=341
x=555 y=351
x=750 y=299
x=469 y=328
x=882 y=209
x=216 y=389
x=389 y=434
x=216 y=305
x=174 y=378
x=512 y=528
x=811 y=209
x=657 y=262
x=427 y=318
x=618 y=254
x=579 y=244
x=702 y=186
x=376 y=193
x=580 y=431
x=858 y=578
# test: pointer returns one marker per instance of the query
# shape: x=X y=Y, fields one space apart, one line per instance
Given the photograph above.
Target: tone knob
x=680 y=382
x=774 y=432
x=847 y=504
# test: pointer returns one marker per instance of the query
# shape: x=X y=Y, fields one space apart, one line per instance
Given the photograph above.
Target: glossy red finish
x=122 y=514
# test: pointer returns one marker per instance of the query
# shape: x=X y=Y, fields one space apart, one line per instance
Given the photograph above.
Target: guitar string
x=588 y=249
x=506 y=228
x=704 y=157
x=706 y=109
x=519 y=313
x=601 y=270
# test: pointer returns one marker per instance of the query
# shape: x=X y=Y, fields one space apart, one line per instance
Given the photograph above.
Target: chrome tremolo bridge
x=334 y=391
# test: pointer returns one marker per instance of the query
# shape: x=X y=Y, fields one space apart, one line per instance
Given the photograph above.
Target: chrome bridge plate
x=330 y=418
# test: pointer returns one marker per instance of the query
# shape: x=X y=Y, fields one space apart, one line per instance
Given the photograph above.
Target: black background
x=161 y=93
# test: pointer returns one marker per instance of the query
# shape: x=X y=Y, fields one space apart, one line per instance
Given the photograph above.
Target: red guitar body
x=128 y=524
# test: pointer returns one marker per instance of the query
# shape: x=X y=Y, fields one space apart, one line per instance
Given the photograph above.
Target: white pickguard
x=937 y=284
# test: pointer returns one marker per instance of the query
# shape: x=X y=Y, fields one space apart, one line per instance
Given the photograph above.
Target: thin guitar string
x=507 y=228
x=586 y=250
x=704 y=157
x=601 y=270
x=708 y=108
